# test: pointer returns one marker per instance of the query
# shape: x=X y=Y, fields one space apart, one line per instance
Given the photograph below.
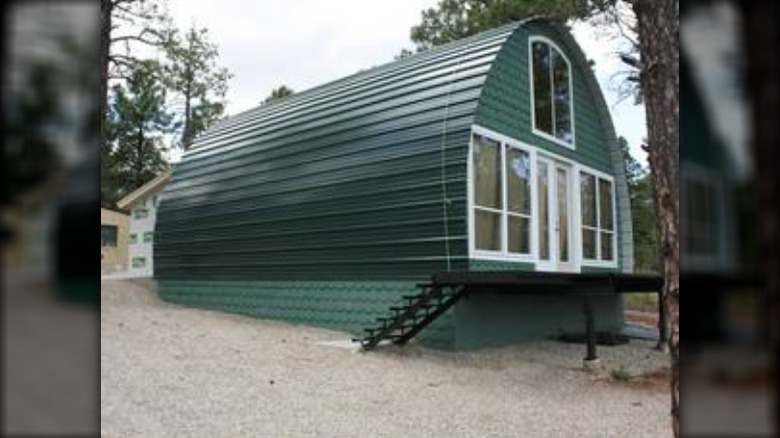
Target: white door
x=554 y=186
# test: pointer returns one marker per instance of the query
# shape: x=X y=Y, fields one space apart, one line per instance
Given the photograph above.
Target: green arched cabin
x=328 y=206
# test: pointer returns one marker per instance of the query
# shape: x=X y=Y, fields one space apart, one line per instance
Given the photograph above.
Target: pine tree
x=199 y=84
x=138 y=122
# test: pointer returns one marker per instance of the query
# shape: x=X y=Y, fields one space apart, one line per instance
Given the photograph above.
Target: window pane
x=588 y=199
x=487 y=173
x=588 y=243
x=148 y=236
x=606 y=246
x=108 y=235
x=488 y=230
x=544 y=210
x=518 y=171
x=542 y=87
x=563 y=214
x=133 y=238
x=605 y=205
x=561 y=97
x=519 y=235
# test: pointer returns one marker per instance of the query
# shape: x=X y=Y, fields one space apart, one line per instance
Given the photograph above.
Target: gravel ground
x=174 y=371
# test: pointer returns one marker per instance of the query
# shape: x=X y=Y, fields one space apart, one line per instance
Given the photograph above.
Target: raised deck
x=446 y=288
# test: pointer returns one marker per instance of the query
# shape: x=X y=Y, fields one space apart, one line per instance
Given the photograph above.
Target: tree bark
x=106 y=8
x=657 y=26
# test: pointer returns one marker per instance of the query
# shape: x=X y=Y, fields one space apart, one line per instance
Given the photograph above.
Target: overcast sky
x=305 y=43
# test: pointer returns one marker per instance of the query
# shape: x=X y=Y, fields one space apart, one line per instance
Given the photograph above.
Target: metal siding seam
x=444 y=200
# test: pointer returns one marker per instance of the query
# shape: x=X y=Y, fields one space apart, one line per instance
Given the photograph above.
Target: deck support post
x=590 y=329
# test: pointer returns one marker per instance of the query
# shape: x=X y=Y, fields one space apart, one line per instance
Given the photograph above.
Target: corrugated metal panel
x=344 y=181
x=342 y=305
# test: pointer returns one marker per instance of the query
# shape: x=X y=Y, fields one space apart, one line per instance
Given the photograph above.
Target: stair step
x=412 y=297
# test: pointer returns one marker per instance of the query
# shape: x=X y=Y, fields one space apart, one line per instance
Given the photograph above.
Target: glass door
x=553 y=187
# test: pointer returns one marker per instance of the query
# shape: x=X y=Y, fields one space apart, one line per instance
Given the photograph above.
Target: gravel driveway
x=174 y=371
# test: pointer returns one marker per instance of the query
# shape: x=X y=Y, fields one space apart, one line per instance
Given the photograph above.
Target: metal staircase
x=406 y=321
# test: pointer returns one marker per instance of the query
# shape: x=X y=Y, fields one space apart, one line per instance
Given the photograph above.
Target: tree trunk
x=759 y=33
x=657 y=26
x=106 y=8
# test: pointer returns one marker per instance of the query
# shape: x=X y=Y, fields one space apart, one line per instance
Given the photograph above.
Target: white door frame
x=554 y=263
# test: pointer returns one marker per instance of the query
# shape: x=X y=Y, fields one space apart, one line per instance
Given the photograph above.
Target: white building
x=142 y=204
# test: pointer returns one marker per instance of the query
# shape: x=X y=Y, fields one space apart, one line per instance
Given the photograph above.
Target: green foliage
x=278 y=93
x=137 y=123
x=643 y=302
x=134 y=24
x=455 y=19
x=403 y=54
x=640 y=189
x=198 y=82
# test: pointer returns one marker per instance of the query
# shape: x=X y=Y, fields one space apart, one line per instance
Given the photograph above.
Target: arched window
x=552 y=94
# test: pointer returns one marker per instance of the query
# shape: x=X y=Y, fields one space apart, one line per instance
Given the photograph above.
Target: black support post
x=590 y=329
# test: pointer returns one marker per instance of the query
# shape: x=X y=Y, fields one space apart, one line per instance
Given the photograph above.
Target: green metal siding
x=327 y=207
x=489 y=320
x=340 y=305
x=499 y=265
x=505 y=105
x=344 y=181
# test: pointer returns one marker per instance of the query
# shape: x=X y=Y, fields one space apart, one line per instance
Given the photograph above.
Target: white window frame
x=576 y=219
x=598 y=262
x=504 y=253
x=540 y=133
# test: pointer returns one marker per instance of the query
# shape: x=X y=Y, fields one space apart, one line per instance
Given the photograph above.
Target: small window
x=502 y=197
x=598 y=225
x=148 y=237
x=518 y=192
x=140 y=213
x=133 y=238
x=139 y=262
x=488 y=193
x=108 y=235
x=552 y=100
